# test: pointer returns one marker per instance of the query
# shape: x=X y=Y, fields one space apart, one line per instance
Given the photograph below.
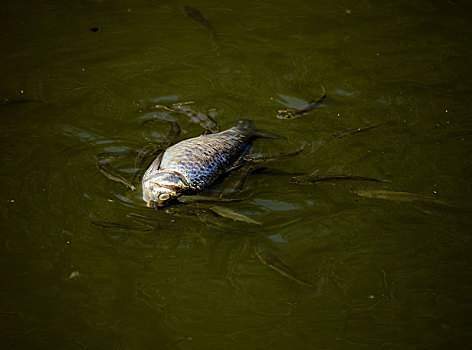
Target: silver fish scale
x=202 y=159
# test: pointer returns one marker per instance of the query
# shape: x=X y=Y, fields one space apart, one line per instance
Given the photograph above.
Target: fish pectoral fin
x=155 y=165
x=153 y=168
x=142 y=157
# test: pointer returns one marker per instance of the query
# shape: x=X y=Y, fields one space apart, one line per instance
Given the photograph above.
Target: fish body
x=193 y=164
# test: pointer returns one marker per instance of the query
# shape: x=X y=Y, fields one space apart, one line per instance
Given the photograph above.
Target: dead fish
x=107 y=170
x=197 y=16
x=193 y=164
x=312 y=179
x=276 y=264
x=354 y=131
x=292 y=113
x=397 y=196
x=231 y=214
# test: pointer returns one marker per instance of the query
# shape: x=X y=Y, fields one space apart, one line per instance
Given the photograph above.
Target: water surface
x=385 y=274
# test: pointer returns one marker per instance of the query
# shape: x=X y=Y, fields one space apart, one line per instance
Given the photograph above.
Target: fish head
x=162 y=189
x=159 y=197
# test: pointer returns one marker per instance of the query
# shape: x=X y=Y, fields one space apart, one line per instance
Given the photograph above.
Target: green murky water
x=386 y=274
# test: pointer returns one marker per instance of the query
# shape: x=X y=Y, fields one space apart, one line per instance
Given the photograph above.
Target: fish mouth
x=156 y=205
x=161 y=204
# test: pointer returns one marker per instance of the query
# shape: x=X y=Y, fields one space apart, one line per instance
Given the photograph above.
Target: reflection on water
x=385 y=273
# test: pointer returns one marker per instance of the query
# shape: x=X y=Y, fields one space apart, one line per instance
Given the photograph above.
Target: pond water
x=391 y=273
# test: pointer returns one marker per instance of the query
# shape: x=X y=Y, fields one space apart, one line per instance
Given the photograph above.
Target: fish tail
x=254 y=132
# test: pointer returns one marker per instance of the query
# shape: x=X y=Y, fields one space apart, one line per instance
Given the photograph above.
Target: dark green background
x=387 y=274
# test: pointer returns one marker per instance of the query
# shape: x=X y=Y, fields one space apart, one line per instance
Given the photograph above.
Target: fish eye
x=163 y=196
